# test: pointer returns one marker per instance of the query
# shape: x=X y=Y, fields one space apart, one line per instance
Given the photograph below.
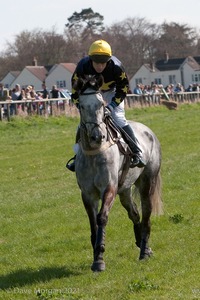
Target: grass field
x=45 y=250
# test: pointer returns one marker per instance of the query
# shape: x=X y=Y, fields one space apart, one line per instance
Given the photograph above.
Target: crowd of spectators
x=170 y=89
x=27 y=93
x=174 y=92
x=149 y=93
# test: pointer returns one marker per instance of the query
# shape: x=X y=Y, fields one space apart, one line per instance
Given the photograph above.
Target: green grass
x=45 y=250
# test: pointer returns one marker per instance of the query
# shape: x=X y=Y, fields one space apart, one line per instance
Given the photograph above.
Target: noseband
x=83 y=125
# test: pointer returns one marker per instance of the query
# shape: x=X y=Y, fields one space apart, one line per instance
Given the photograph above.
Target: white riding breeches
x=118 y=112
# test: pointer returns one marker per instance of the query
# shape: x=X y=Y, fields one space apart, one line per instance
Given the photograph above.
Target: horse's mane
x=88 y=81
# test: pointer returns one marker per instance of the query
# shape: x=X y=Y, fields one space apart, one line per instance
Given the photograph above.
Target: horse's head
x=91 y=106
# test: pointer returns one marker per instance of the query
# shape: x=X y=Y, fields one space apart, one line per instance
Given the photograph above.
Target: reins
x=90 y=93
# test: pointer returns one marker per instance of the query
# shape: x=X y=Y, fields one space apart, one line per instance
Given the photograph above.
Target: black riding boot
x=71 y=165
x=136 y=160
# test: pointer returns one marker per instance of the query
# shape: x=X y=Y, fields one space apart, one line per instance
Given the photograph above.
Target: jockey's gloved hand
x=108 y=111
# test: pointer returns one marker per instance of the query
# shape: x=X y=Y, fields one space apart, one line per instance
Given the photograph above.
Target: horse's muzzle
x=96 y=138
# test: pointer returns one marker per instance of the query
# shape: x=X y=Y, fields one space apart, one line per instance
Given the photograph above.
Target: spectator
x=45 y=93
x=155 y=92
x=179 y=88
x=178 y=92
x=15 y=95
x=4 y=95
x=22 y=95
x=55 y=92
x=137 y=90
x=170 y=90
x=41 y=106
x=28 y=92
x=190 y=88
x=195 y=87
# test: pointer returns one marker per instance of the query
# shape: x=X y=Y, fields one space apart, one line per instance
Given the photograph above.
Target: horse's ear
x=99 y=80
x=78 y=85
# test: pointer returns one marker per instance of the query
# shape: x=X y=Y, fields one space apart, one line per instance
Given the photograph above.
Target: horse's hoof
x=148 y=252
x=98 y=266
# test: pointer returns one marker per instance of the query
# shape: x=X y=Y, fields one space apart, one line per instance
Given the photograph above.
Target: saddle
x=118 y=135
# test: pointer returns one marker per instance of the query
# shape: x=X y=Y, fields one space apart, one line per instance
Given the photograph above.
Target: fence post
x=8 y=112
x=1 y=112
x=51 y=108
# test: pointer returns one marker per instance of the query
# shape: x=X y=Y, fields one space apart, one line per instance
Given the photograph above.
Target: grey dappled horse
x=99 y=168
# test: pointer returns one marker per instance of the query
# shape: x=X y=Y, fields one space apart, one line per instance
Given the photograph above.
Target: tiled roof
x=151 y=67
x=69 y=66
x=193 y=63
x=15 y=73
x=38 y=71
x=170 y=64
x=197 y=58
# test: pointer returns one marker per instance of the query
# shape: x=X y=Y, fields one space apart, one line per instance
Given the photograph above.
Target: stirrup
x=136 y=161
x=71 y=166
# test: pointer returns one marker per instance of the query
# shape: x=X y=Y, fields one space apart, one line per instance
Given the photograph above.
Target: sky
x=20 y=15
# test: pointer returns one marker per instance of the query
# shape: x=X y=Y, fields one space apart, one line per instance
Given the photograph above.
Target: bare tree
x=132 y=42
x=176 y=39
x=47 y=46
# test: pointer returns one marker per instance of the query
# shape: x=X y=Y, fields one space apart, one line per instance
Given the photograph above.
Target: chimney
x=152 y=66
x=166 y=56
x=35 y=61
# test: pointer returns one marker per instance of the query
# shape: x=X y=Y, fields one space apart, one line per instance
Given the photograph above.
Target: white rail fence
x=49 y=107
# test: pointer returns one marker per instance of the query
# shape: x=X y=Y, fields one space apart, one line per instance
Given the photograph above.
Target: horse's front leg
x=91 y=207
x=102 y=219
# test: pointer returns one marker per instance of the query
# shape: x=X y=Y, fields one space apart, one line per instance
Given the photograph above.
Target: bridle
x=83 y=125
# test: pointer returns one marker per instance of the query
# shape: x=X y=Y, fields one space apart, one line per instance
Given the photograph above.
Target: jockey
x=114 y=89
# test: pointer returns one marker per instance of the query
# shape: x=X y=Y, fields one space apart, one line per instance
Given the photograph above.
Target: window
x=195 y=77
x=138 y=81
x=61 y=83
x=157 y=81
x=172 y=79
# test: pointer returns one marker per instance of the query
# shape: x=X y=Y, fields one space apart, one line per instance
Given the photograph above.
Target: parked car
x=64 y=93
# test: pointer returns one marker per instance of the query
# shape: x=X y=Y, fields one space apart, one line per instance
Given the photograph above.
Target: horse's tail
x=156 y=199
x=154 y=193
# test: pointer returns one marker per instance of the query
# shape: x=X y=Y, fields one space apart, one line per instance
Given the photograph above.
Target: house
x=9 y=78
x=31 y=75
x=60 y=74
x=168 y=71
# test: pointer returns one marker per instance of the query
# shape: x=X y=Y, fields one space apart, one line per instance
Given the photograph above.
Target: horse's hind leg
x=146 y=189
x=128 y=203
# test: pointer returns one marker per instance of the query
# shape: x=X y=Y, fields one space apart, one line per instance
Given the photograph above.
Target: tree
x=86 y=23
x=132 y=42
x=82 y=28
x=176 y=39
x=47 y=46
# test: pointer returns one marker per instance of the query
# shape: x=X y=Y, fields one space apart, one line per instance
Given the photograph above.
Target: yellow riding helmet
x=100 y=51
